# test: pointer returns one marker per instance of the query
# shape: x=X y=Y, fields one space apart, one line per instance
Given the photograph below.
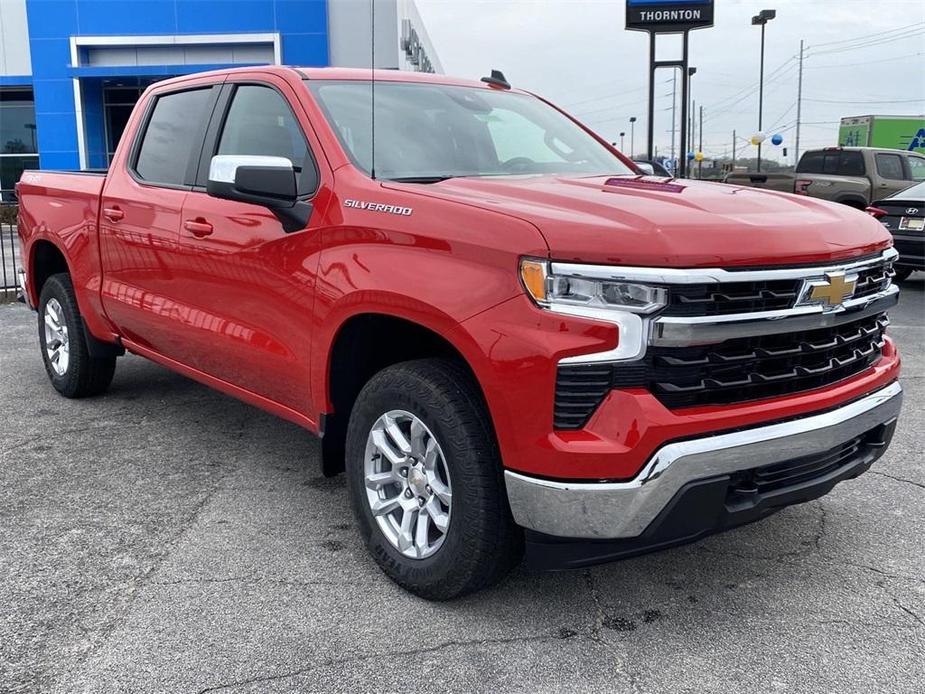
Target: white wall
x=349 y=23
x=14 y=38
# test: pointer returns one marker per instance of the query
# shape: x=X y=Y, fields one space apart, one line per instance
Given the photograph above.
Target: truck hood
x=649 y=221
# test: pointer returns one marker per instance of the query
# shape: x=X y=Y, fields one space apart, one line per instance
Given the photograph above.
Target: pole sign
x=668 y=16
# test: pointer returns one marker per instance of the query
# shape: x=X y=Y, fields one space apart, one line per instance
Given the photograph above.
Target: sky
x=861 y=57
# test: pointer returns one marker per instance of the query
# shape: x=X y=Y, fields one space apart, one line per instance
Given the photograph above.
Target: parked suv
x=506 y=336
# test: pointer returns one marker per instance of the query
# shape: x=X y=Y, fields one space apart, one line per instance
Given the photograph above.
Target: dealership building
x=71 y=70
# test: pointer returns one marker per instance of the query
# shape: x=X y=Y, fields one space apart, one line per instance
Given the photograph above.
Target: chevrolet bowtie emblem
x=833 y=290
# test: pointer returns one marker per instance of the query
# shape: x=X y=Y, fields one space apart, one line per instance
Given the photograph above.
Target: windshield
x=434 y=131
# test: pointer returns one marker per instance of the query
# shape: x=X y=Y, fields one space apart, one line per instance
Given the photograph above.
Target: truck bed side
x=852 y=190
x=58 y=216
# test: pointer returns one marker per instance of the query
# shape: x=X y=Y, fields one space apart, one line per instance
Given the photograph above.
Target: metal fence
x=9 y=260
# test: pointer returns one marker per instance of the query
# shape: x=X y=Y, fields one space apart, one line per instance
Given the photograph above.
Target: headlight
x=624 y=304
x=550 y=290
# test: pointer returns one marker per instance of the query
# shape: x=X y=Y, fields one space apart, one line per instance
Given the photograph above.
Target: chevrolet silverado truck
x=511 y=340
x=852 y=176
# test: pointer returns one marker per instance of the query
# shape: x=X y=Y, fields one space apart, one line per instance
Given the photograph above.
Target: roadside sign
x=668 y=16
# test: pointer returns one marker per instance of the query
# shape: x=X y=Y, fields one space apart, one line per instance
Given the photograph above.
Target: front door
x=248 y=284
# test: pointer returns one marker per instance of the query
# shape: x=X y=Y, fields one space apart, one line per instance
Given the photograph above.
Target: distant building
x=71 y=70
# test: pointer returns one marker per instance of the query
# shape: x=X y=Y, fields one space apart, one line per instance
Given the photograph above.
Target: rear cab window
x=834 y=162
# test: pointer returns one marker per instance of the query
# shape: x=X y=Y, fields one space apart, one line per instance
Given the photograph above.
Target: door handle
x=113 y=214
x=198 y=227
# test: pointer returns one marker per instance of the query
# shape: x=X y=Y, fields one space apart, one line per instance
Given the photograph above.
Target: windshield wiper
x=421 y=179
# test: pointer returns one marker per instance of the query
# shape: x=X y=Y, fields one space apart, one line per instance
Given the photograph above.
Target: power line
x=876 y=33
x=874 y=101
x=906 y=56
x=869 y=44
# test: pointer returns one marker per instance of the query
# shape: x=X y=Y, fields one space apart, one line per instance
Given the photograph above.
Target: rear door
x=251 y=284
x=140 y=214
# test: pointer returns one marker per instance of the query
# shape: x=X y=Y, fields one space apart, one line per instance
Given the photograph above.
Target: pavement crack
x=361 y=658
x=920 y=485
x=247 y=579
x=598 y=619
x=907 y=610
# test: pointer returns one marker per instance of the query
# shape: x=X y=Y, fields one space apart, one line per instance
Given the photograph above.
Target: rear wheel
x=71 y=369
x=425 y=480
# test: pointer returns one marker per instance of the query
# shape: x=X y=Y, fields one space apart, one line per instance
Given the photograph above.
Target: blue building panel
x=101 y=17
x=302 y=26
x=217 y=16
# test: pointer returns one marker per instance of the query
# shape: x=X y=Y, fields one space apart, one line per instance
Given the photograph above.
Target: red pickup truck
x=508 y=337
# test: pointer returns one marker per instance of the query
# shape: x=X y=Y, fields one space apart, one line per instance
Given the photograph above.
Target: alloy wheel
x=407 y=484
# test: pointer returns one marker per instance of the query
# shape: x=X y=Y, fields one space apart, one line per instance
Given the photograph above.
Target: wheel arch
x=364 y=343
x=45 y=259
x=855 y=201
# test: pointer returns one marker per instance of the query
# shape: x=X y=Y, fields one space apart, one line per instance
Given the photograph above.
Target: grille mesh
x=735 y=371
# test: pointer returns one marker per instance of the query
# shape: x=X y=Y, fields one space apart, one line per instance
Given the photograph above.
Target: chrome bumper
x=625 y=509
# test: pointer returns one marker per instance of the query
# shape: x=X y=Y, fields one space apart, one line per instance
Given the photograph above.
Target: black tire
x=84 y=375
x=482 y=542
x=902 y=274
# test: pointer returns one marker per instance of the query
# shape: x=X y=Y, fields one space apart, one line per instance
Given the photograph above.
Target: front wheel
x=71 y=369
x=902 y=274
x=425 y=480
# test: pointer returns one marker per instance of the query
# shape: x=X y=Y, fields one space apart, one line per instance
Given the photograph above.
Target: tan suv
x=850 y=175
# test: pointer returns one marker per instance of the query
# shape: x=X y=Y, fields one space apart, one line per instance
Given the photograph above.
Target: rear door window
x=173 y=134
x=850 y=164
x=890 y=166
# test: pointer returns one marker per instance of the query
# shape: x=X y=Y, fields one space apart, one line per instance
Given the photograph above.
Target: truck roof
x=337 y=73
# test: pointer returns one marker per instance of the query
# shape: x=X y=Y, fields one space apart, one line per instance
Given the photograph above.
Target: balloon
x=758 y=138
x=699 y=156
x=690 y=156
x=777 y=139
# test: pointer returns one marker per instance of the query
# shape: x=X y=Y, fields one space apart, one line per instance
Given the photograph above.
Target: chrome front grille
x=733 y=336
x=731 y=297
x=765 y=366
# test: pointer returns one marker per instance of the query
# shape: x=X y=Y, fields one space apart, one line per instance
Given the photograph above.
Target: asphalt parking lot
x=165 y=538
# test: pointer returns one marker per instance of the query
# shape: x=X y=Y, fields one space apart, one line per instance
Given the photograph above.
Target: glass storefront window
x=18 y=138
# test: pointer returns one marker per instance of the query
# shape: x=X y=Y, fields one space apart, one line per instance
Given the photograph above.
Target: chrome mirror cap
x=224 y=167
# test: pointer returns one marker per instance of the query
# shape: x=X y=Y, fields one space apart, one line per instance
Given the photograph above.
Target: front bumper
x=620 y=510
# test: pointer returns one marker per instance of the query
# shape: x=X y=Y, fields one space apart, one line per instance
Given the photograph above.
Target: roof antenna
x=372 y=10
x=497 y=80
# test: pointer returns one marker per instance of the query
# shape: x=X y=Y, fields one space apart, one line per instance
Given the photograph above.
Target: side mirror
x=260 y=180
x=646 y=167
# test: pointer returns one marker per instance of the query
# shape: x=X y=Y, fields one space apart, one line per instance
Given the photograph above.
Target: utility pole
x=796 y=147
x=733 y=151
x=700 y=146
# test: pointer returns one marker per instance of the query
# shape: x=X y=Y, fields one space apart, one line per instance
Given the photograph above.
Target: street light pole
x=632 y=136
x=621 y=140
x=761 y=19
x=691 y=71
